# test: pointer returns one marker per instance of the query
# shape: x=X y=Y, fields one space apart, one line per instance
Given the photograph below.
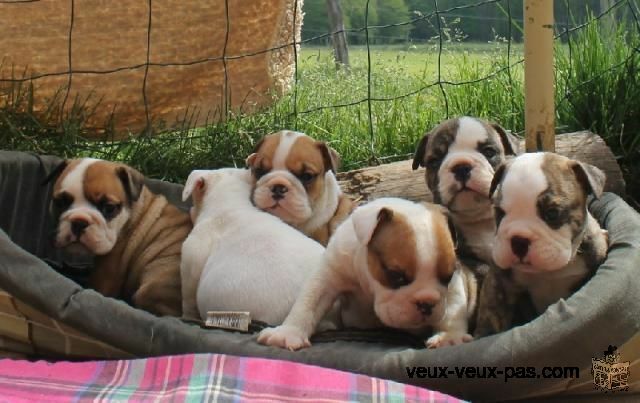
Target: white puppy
x=394 y=263
x=239 y=258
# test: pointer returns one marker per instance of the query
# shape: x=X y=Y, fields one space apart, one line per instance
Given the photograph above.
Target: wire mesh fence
x=373 y=112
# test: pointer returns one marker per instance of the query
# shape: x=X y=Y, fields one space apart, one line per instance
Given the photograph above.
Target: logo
x=609 y=374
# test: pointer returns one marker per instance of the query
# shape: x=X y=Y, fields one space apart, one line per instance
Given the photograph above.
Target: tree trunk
x=338 y=36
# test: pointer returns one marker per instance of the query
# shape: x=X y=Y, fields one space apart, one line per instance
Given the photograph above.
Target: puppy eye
x=62 y=202
x=551 y=215
x=499 y=214
x=489 y=152
x=259 y=172
x=396 y=278
x=446 y=279
x=433 y=162
x=307 y=177
x=108 y=209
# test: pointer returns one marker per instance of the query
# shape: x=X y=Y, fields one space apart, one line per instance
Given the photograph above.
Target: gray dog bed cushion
x=606 y=311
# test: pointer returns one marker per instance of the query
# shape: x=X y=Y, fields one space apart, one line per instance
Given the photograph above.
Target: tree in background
x=392 y=12
x=354 y=11
x=338 y=36
x=315 y=22
x=482 y=23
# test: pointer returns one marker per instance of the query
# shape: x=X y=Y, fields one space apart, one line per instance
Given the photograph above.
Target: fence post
x=539 y=113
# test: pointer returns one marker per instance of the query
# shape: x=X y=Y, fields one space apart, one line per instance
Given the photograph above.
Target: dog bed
x=606 y=311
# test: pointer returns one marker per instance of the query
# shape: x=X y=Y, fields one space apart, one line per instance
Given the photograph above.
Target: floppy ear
x=510 y=143
x=132 y=181
x=447 y=215
x=367 y=220
x=196 y=184
x=590 y=177
x=55 y=173
x=497 y=178
x=254 y=154
x=418 y=156
x=330 y=157
x=251 y=159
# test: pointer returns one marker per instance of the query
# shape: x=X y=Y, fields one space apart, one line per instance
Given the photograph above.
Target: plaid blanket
x=196 y=377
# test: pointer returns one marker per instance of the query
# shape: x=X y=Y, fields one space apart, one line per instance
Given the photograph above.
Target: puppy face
x=410 y=259
x=91 y=203
x=460 y=156
x=293 y=174
x=540 y=210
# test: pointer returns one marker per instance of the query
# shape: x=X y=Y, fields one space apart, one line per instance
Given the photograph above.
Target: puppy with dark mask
x=547 y=243
x=460 y=156
x=104 y=210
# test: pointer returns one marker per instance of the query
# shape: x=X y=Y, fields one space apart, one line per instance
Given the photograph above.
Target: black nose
x=78 y=227
x=278 y=191
x=520 y=246
x=462 y=172
x=425 y=308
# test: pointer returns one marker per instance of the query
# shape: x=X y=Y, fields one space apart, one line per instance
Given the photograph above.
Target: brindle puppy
x=460 y=156
x=546 y=238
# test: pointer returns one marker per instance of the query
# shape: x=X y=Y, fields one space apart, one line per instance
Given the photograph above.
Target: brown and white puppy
x=545 y=234
x=295 y=181
x=103 y=209
x=393 y=263
x=460 y=156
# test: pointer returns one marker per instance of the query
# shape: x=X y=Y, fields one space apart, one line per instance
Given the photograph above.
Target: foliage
x=481 y=22
x=598 y=88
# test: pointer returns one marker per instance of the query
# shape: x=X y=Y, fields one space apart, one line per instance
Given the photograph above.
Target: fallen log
x=399 y=180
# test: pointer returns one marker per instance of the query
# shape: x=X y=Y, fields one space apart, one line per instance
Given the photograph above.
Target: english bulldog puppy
x=104 y=210
x=545 y=236
x=238 y=257
x=393 y=263
x=295 y=180
x=460 y=156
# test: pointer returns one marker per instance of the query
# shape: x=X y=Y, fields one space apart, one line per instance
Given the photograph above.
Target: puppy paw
x=443 y=339
x=283 y=336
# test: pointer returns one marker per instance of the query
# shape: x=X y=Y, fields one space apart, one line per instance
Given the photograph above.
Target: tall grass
x=598 y=88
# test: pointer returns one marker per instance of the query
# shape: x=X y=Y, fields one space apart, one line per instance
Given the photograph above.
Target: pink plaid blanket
x=196 y=377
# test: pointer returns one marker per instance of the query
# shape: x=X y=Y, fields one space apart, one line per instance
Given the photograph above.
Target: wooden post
x=539 y=113
x=338 y=37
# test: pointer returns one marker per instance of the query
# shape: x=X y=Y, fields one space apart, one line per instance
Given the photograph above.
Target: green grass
x=418 y=60
x=396 y=72
x=396 y=124
x=598 y=88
